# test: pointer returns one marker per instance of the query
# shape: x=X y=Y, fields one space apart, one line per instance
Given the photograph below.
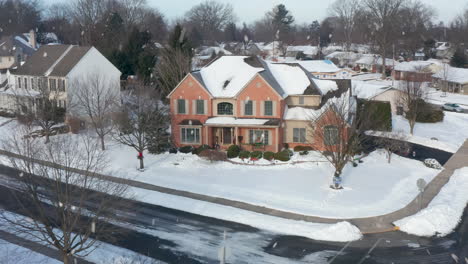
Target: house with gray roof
x=57 y=69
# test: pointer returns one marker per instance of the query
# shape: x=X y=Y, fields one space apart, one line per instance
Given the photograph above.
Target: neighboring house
x=343 y=58
x=444 y=50
x=374 y=91
x=416 y=70
x=373 y=63
x=274 y=49
x=14 y=50
x=451 y=79
x=56 y=68
x=243 y=100
x=309 y=52
x=325 y=69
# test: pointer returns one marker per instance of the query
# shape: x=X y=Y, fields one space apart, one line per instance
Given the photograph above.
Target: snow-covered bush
x=432 y=163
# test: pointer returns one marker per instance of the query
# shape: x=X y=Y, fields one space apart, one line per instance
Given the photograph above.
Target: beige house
x=373 y=91
x=452 y=80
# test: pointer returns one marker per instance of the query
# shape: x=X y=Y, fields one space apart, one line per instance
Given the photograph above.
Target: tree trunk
x=47 y=137
x=66 y=258
x=103 y=147
x=389 y=153
x=411 y=125
x=384 y=53
x=142 y=166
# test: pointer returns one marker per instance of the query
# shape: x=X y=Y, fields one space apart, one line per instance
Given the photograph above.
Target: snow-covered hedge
x=432 y=163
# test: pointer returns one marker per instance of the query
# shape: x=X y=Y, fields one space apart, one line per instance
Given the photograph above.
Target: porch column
x=206 y=136
x=236 y=135
x=277 y=141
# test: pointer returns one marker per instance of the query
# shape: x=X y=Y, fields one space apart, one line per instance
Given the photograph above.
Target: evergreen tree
x=282 y=20
x=459 y=59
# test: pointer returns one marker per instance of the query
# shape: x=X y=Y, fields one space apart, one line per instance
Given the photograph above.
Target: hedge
x=186 y=149
x=244 y=154
x=302 y=148
x=256 y=154
x=374 y=115
x=233 y=151
x=201 y=148
x=282 y=155
x=268 y=155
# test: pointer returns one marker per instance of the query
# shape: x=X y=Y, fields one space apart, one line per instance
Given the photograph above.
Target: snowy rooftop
x=217 y=50
x=300 y=113
x=374 y=59
x=307 y=50
x=318 y=65
x=221 y=120
x=291 y=78
x=412 y=66
x=343 y=55
x=366 y=90
x=226 y=76
x=326 y=86
x=452 y=74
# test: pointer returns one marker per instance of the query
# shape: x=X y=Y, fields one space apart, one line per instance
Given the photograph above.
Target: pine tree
x=459 y=59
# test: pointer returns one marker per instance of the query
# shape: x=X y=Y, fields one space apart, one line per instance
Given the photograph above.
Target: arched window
x=225 y=109
x=330 y=135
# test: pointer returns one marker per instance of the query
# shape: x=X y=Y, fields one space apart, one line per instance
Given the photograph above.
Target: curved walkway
x=374 y=224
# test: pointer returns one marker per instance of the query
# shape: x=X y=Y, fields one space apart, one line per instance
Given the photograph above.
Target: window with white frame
x=248 y=108
x=258 y=136
x=53 y=84
x=181 y=106
x=268 y=108
x=299 y=135
x=200 y=107
x=189 y=135
x=331 y=135
x=225 y=108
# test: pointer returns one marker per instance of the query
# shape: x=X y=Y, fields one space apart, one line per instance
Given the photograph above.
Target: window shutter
x=274 y=108
x=175 y=106
x=246 y=137
x=205 y=107
x=254 y=108
x=187 y=110
x=243 y=107
x=270 y=138
x=262 y=108
x=194 y=107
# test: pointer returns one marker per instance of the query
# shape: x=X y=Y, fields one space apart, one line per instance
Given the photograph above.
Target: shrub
x=256 y=154
x=173 y=150
x=302 y=148
x=233 y=151
x=213 y=155
x=374 y=115
x=304 y=152
x=201 y=148
x=432 y=163
x=268 y=155
x=282 y=155
x=244 y=154
x=286 y=145
x=186 y=149
x=431 y=116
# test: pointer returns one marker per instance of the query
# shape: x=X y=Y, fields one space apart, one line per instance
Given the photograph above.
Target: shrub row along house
x=250 y=102
x=58 y=71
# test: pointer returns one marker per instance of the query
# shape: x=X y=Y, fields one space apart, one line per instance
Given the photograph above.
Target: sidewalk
x=375 y=224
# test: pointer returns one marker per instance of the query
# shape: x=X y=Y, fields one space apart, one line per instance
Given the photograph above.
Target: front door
x=227 y=137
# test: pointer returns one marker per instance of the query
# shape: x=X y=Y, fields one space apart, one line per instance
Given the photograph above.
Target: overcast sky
x=304 y=11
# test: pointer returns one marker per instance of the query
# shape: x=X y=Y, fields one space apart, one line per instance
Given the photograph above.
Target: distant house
x=309 y=52
x=325 y=69
x=249 y=102
x=375 y=91
x=451 y=79
x=416 y=70
x=55 y=68
x=373 y=63
x=343 y=58
x=14 y=50
x=444 y=50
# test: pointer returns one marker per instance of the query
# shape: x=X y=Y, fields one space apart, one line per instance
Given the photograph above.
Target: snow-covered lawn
x=373 y=188
x=450 y=133
x=14 y=254
x=444 y=212
x=440 y=98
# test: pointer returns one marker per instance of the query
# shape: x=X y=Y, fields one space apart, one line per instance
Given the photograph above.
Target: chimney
x=32 y=38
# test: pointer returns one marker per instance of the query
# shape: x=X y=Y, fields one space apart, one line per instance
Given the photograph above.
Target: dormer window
x=225 y=108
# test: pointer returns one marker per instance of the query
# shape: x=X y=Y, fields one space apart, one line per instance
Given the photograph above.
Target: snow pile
x=326 y=86
x=444 y=212
x=226 y=76
x=365 y=90
x=432 y=163
x=291 y=78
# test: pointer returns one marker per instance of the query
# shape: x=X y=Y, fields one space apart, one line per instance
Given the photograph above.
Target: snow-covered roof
x=299 y=113
x=343 y=55
x=326 y=86
x=318 y=65
x=413 y=66
x=271 y=45
x=366 y=76
x=452 y=74
x=366 y=90
x=222 y=120
x=307 y=50
x=209 y=51
x=374 y=59
x=291 y=78
x=227 y=75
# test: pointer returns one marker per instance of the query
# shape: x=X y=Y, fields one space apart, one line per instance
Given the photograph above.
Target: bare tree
x=383 y=17
x=412 y=96
x=140 y=118
x=173 y=65
x=396 y=143
x=59 y=207
x=346 y=11
x=86 y=14
x=41 y=106
x=96 y=99
x=211 y=17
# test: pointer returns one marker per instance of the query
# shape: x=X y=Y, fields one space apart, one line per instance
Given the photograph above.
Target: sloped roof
x=8 y=45
x=318 y=65
x=452 y=74
x=65 y=57
x=413 y=66
x=366 y=90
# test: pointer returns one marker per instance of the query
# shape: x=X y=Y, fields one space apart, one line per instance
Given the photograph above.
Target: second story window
x=53 y=84
x=331 y=135
x=181 y=106
x=25 y=83
x=299 y=135
x=200 y=107
x=61 y=85
x=248 y=108
x=225 y=109
x=268 y=108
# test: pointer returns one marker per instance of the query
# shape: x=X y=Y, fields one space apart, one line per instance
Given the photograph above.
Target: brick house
x=247 y=101
x=416 y=70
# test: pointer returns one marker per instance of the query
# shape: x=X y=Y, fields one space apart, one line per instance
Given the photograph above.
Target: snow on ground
x=14 y=254
x=373 y=188
x=450 y=133
x=440 y=98
x=444 y=212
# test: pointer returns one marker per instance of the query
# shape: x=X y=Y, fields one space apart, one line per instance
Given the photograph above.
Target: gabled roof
x=53 y=60
x=452 y=74
x=318 y=65
x=9 y=44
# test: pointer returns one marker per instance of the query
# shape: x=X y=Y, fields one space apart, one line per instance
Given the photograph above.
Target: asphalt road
x=175 y=236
